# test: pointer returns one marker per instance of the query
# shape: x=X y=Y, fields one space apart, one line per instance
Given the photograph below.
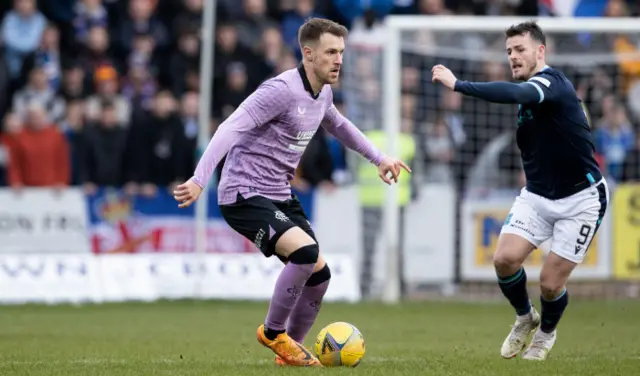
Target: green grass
x=217 y=338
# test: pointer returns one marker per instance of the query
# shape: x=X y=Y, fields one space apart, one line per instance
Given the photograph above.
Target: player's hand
x=187 y=193
x=442 y=74
x=393 y=166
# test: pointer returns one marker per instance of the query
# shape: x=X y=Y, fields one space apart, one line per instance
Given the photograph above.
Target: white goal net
x=468 y=144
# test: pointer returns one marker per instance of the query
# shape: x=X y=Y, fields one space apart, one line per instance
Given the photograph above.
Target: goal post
x=481 y=136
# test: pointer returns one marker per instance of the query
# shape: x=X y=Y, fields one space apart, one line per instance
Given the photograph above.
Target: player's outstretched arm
x=267 y=102
x=497 y=92
x=350 y=136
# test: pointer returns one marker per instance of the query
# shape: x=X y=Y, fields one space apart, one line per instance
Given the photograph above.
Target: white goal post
x=395 y=28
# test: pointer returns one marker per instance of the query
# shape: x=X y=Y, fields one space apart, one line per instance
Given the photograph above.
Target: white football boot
x=520 y=331
x=540 y=345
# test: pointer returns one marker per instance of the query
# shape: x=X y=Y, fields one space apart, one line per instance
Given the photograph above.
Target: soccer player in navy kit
x=565 y=197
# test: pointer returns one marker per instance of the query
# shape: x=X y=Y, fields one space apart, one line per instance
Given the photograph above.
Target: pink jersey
x=265 y=137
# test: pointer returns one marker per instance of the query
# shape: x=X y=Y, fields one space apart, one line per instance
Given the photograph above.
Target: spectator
x=144 y=54
x=48 y=57
x=350 y=10
x=304 y=9
x=38 y=89
x=287 y=61
x=5 y=86
x=189 y=118
x=102 y=156
x=22 y=30
x=138 y=89
x=235 y=90
x=73 y=85
x=72 y=127
x=96 y=52
x=255 y=22
x=158 y=146
x=190 y=16
x=39 y=157
x=272 y=49
x=192 y=79
x=88 y=13
x=186 y=56
x=140 y=20
x=106 y=82
x=229 y=51
x=439 y=150
x=631 y=165
x=614 y=138
x=10 y=127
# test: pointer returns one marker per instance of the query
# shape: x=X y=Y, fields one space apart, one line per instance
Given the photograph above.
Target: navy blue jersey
x=553 y=134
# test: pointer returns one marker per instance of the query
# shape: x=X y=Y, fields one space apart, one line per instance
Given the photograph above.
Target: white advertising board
x=38 y=220
x=146 y=277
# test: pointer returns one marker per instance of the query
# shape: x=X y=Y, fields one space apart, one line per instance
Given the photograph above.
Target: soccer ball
x=339 y=344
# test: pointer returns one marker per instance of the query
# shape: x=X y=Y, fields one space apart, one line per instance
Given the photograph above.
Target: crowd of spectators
x=106 y=92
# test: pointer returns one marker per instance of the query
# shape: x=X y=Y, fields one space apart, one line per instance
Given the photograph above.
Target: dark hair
x=108 y=104
x=313 y=28
x=529 y=27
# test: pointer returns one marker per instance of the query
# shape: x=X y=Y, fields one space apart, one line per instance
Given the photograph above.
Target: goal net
x=468 y=145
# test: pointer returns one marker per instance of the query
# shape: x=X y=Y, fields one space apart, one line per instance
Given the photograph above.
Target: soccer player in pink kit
x=264 y=140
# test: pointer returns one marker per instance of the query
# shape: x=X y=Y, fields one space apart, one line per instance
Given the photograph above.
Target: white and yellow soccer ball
x=339 y=344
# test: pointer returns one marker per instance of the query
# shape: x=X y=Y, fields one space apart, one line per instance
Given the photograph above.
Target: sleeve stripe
x=542 y=80
x=539 y=91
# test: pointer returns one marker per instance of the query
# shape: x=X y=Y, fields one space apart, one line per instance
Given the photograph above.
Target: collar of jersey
x=306 y=83
x=544 y=68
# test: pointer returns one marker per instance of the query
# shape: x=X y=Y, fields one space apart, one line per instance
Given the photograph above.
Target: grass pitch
x=217 y=338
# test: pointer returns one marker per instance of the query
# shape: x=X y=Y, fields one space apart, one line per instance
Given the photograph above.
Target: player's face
x=523 y=53
x=327 y=58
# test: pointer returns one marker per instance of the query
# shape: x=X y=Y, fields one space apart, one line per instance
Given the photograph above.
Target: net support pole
x=390 y=209
x=206 y=96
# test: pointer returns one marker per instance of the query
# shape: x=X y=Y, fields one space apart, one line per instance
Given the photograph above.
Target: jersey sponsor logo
x=302 y=140
x=301 y=111
x=542 y=80
x=520 y=225
x=626 y=232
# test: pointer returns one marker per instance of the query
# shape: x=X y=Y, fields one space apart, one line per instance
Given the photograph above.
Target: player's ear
x=542 y=49
x=307 y=53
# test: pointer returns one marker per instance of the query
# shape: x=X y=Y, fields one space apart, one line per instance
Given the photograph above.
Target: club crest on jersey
x=525 y=115
x=281 y=216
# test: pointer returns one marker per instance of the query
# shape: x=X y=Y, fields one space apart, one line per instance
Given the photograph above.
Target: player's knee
x=305 y=255
x=550 y=286
x=319 y=277
x=551 y=290
x=506 y=263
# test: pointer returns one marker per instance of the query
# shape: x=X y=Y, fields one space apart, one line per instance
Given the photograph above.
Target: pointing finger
x=403 y=165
